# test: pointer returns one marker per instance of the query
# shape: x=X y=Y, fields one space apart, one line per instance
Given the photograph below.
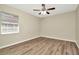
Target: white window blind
x=9 y=23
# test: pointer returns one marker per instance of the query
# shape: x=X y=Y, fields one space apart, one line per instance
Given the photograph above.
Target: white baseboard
x=18 y=42
x=59 y=38
x=77 y=44
x=34 y=38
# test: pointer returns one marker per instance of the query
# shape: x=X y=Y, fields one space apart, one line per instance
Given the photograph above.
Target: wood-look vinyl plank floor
x=42 y=46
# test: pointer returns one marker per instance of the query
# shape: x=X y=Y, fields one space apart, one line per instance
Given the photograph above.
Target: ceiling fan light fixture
x=43 y=12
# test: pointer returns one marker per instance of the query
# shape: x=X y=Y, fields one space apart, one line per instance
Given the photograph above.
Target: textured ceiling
x=60 y=8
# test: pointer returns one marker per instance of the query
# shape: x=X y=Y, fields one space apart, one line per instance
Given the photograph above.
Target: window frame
x=10 y=21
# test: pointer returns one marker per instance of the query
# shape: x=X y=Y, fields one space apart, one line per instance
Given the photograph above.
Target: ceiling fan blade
x=50 y=8
x=39 y=13
x=47 y=12
x=36 y=10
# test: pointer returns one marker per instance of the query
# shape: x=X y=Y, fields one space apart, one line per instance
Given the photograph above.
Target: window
x=9 y=23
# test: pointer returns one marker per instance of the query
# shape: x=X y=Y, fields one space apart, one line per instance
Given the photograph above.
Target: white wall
x=29 y=27
x=60 y=26
x=77 y=26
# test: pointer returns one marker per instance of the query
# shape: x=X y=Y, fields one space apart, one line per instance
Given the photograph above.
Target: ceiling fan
x=44 y=10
